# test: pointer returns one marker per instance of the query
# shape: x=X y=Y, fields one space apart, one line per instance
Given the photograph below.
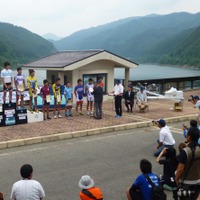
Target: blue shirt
x=144 y=185
x=68 y=92
x=79 y=92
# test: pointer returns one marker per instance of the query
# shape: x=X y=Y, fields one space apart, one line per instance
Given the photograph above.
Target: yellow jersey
x=32 y=82
x=56 y=89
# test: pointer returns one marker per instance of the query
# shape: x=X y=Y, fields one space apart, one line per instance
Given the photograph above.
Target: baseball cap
x=196 y=97
x=161 y=122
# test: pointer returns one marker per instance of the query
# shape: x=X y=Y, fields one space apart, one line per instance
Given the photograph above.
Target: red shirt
x=45 y=90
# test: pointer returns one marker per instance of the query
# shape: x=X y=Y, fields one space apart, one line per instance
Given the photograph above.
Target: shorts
x=9 y=87
x=79 y=100
x=90 y=98
x=45 y=103
x=55 y=102
x=69 y=102
x=31 y=93
x=19 y=93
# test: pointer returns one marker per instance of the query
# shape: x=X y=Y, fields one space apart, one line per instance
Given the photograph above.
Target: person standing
x=98 y=99
x=188 y=170
x=118 y=94
x=89 y=192
x=27 y=188
x=32 y=86
x=20 y=87
x=7 y=80
x=129 y=99
x=89 y=88
x=68 y=92
x=165 y=137
x=78 y=92
x=46 y=97
x=56 y=87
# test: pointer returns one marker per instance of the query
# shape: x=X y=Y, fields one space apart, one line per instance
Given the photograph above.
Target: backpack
x=157 y=191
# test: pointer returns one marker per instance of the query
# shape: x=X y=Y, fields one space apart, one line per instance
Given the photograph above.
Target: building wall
x=99 y=67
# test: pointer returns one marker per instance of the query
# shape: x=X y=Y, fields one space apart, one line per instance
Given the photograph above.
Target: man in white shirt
x=165 y=137
x=6 y=76
x=118 y=93
x=196 y=102
x=27 y=188
x=142 y=99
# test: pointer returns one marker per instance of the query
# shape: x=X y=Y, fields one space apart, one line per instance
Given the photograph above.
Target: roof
x=66 y=59
x=157 y=72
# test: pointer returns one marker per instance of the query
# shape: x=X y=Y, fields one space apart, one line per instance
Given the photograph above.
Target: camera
x=185 y=193
x=191 y=98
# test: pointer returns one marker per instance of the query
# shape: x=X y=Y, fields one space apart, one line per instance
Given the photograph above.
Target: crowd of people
x=181 y=173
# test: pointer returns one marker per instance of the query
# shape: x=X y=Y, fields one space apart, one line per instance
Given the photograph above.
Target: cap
x=196 y=97
x=161 y=122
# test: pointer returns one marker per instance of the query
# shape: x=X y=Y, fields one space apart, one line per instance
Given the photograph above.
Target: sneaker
x=55 y=117
x=77 y=114
x=81 y=113
x=59 y=116
x=70 y=115
x=66 y=114
x=91 y=113
x=37 y=111
x=44 y=118
x=48 y=117
x=31 y=110
x=88 y=112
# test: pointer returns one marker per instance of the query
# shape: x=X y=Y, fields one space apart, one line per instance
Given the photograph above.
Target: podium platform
x=34 y=117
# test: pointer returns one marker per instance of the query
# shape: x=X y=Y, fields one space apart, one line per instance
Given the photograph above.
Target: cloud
x=63 y=17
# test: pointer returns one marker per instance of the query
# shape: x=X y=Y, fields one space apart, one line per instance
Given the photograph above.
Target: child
x=78 y=91
x=90 y=97
x=45 y=94
x=56 y=87
x=20 y=87
x=6 y=75
x=68 y=92
x=32 y=85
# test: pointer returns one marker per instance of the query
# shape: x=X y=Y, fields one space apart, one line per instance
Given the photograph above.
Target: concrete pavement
x=112 y=159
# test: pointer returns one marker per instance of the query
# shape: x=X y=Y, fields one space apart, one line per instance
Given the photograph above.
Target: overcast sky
x=63 y=17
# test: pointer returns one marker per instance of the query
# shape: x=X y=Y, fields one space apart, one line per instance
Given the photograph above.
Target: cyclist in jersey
x=32 y=86
x=78 y=91
x=20 y=87
x=44 y=93
x=56 y=87
x=89 y=88
x=6 y=76
x=68 y=92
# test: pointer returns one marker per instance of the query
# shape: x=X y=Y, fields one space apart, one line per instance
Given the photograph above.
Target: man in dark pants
x=129 y=98
x=118 y=93
x=98 y=99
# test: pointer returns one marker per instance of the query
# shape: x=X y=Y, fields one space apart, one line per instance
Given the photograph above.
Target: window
x=95 y=77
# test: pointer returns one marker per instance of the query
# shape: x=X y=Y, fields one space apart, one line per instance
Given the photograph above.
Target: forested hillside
x=19 y=46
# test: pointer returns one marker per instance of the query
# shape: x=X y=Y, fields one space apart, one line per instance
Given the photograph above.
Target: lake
x=143 y=72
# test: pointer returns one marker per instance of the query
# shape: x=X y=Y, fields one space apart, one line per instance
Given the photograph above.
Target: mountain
x=51 y=37
x=142 y=39
x=186 y=52
x=18 y=45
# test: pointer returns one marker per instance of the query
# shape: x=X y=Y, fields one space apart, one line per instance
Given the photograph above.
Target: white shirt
x=6 y=74
x=141 y=96
x=197 y=105
x=27 y=190
x=165 y=136
x=118 y=89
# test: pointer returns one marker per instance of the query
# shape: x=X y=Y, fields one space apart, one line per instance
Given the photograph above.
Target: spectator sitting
x=27 y=189
x=89 y=192
x=141 y=184
x=129 y=98
x=193 y=123
x=142 y=99
x=170 y=164
x=165 y=137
